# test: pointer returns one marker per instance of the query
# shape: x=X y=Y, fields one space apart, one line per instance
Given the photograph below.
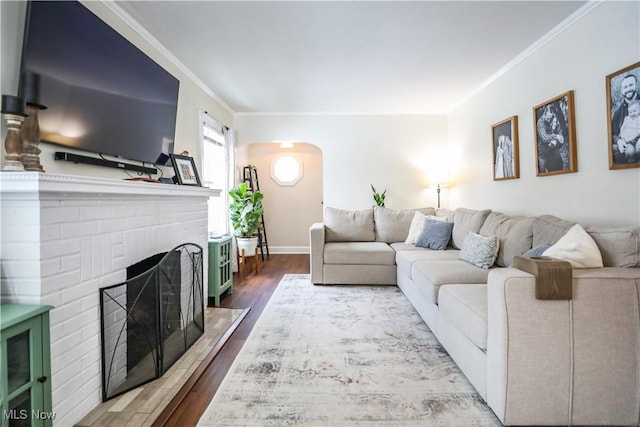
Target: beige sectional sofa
x=535 y=362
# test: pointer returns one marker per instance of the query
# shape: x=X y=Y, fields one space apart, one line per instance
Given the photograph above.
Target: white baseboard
x=288 y=249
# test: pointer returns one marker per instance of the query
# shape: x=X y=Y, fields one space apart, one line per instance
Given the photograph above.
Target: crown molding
x=549 y=36
x=146 y=35
x=555 y=31
x=337 y=113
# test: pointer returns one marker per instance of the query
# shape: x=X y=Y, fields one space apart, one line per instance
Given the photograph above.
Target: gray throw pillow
x=479 y=250
x=435 y=235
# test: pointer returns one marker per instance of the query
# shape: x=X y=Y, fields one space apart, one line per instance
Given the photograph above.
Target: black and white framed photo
x=623 y=117
x=555 y=136
x=506 y=162
x=185 y=169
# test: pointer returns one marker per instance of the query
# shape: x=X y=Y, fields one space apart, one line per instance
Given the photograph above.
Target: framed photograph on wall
x=623 y=117
x=506 y=162
x=185 y=169
x=555 y=136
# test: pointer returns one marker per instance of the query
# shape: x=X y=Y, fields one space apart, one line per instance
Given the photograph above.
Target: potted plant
x=245 y=213
x=378 y=197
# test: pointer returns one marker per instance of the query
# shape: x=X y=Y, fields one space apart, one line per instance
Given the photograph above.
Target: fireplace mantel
x=64 y=237
x=34 y=183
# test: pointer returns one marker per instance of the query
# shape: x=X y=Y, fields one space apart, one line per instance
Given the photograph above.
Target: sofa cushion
x=548 y=229
x=619 y=246
x=576 y=247
x=430 y=275
x=348 y=226
x=464 y=221
x=393 y=225
x=401 y=246
x=406 y=258
x=479 y=250
x=369 y=253
x=515 y=235
x=447 y=214
x=435 y=235
x=465 y=306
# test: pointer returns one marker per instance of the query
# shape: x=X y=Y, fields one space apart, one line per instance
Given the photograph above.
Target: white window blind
x=215 y=171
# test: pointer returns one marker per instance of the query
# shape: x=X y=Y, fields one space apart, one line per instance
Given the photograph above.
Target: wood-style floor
x=252 y=291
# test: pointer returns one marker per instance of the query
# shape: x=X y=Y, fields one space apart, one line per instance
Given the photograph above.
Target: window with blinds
x=215 y=171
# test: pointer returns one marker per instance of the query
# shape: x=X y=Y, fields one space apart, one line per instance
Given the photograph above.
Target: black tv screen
x=102 y=93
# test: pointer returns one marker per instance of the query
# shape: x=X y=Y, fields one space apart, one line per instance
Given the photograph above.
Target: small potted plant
x=378 y=197
x=245 y=213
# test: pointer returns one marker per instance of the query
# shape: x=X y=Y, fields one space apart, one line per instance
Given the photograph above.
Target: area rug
x=343 y=356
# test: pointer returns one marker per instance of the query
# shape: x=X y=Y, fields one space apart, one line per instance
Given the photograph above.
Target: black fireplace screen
x=151 y=319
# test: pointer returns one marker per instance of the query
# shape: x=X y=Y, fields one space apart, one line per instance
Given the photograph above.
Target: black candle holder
x=13 y=105
x=30 y=89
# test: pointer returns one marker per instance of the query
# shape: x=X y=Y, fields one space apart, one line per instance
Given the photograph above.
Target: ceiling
x=347 y=57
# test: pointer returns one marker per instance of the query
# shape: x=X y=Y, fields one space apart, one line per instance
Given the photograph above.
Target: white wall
x=395 y=153
x=191 y=99
x=602 y=42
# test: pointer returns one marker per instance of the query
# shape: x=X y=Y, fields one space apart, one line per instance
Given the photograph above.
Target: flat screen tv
x=102 y=93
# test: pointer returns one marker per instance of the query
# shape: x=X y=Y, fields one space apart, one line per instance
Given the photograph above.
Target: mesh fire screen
x=151 y=319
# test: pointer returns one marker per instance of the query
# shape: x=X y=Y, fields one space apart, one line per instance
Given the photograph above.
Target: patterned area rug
x=343 y=356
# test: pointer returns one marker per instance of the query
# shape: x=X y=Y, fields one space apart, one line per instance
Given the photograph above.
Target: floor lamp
x=439 y=187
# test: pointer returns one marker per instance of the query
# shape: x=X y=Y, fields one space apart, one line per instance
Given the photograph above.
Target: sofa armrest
x=564 y=362
x=316 y=249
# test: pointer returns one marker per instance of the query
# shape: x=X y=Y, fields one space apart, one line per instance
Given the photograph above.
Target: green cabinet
x=25 y=366
x=220 y=267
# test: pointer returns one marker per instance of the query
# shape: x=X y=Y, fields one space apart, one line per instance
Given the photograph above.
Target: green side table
x=220 y=267
x=25 y=363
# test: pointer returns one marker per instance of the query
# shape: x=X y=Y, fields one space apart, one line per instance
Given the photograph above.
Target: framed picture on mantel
x=185 y=169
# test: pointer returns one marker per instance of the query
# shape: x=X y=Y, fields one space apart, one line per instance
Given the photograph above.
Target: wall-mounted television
x=102 y=94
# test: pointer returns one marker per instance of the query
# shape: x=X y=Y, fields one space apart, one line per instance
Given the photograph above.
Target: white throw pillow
x=578 y=248
x=417 y=224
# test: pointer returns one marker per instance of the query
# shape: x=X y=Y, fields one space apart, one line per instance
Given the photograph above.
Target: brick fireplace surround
x=63 y=237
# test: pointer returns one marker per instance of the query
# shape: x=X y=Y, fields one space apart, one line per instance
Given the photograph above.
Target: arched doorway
x=290 y=176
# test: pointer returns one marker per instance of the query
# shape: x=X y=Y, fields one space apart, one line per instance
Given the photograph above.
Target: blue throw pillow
x=435 y=235
x=537 y=251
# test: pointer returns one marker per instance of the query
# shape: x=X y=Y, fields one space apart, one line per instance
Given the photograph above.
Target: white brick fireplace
x=63 y=237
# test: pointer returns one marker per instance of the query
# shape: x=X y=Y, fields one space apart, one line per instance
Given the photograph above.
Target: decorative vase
x=249 y=244
x=14 y=112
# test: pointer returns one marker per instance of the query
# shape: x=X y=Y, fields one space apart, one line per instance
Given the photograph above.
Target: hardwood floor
x=249 y=291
